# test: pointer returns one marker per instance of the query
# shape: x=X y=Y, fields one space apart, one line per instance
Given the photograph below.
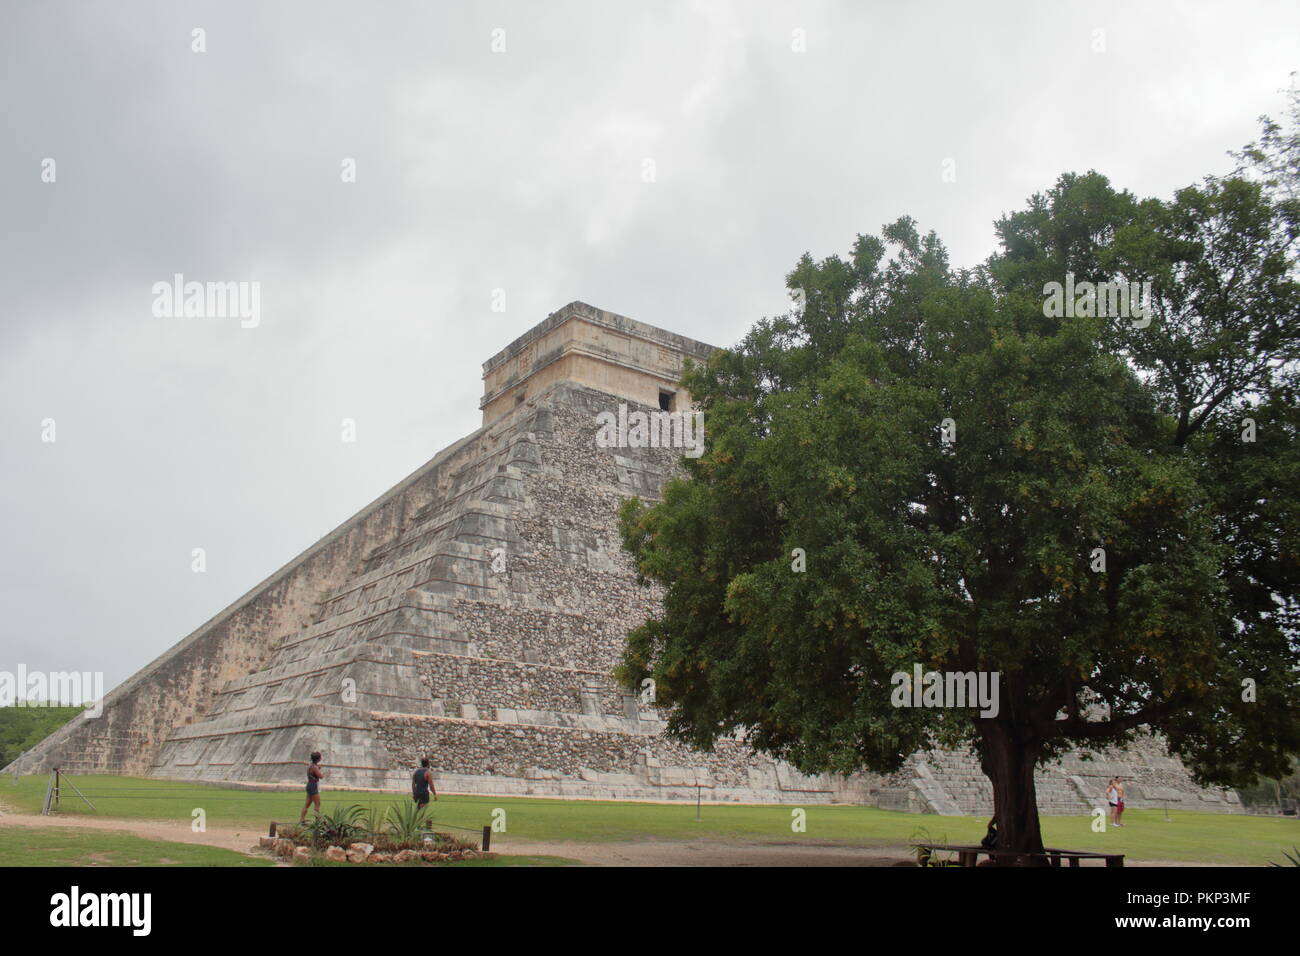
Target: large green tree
x=831 y=537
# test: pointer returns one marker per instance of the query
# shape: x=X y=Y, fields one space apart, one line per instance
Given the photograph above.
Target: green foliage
x=920 y=844
x=1268 y=792
x=1072 y=434
x=407 y=822
x=373 y=819
x=1292 y=858
x=336 y=828
x=22 y=728
x=401 y=826
x=1274 y=159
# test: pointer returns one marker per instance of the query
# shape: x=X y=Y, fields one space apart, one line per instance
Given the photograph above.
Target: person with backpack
x=422 y=784
x=990 y=841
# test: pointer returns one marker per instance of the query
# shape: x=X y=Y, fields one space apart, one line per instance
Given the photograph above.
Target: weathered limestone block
x=359 y=852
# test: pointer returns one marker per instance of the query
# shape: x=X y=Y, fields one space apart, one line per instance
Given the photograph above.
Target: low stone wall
x=456 y=746
x=493 y=685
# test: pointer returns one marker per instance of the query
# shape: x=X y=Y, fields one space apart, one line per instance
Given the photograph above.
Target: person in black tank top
x=314 y=777
x=422 y=784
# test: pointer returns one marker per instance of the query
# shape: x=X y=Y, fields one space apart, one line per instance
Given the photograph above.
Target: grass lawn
x=65 y=846
x=68 y=846
x=1192 y=837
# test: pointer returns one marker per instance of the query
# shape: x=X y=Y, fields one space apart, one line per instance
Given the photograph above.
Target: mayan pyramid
x=473 y=615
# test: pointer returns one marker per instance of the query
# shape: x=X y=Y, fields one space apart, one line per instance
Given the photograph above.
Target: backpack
x=990 y=840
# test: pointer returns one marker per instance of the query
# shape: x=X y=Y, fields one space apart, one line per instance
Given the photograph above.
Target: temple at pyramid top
x=588 y=346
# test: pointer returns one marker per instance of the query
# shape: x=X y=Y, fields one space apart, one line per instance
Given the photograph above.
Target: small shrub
x=404 y=827
x=1292 y=858
x=339 y=828
x=407 y=822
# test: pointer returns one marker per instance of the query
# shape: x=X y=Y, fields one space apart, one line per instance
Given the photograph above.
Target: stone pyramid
x=473 y=615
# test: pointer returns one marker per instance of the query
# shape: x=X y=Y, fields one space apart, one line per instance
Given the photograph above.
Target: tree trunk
x=1008 y=757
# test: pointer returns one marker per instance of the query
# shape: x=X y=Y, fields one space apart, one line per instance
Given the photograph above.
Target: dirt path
x=241 y=840
x=709 y=853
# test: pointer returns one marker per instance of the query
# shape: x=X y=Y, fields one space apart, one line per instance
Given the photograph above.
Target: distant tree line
x=1273 y=792
x=22 y=728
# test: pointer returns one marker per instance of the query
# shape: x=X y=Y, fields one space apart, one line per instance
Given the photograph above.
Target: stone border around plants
x=285 y=848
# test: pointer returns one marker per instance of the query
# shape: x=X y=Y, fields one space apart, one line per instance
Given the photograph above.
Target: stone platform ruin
x=473 y=615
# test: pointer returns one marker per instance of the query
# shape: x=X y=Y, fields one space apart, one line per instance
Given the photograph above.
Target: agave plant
x=338 y=828
x=373 y=820
x=920 y=846
x=407 y=822
x=1293 y=858
x=919 y=838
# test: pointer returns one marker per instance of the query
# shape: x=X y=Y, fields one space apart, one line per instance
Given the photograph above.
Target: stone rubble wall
x=529 y=705
x=493 y=686
x=534 y=760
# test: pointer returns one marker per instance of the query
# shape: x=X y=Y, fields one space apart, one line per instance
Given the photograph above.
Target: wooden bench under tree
x=969 y=855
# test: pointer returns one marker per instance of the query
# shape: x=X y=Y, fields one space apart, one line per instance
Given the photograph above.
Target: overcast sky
x=522 y=170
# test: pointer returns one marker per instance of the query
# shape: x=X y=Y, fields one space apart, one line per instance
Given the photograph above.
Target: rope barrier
x=453 y=826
